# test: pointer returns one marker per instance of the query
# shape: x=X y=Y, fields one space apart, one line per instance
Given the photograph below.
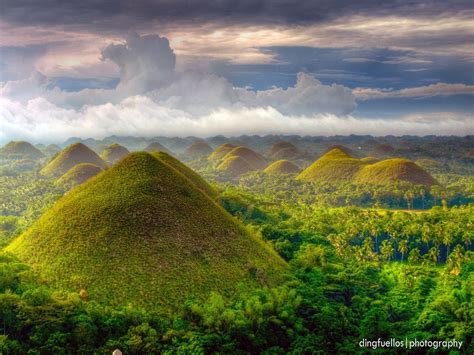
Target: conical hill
x=282 y=167
x=72 y=155
x=20 y=150
x=142 y=233
x=114 y=153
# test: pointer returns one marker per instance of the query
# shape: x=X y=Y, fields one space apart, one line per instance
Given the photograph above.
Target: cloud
x=438 y=89
x=147 y=67
x=41 y=121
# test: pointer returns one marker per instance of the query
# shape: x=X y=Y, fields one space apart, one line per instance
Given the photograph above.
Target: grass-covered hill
x=142 y=233
x=51 y=150
x=114 y=153
x=20 y=150
x=255 y=160
x=392 y=170
x=197 y=150
x=72 y=155
x=282 y=167
x=157 y=147
x=335 y=165
x=284 y=150
x=370 y=160
x=79 y=174
x=194 y=177
x=235 y=166
x=220 y=152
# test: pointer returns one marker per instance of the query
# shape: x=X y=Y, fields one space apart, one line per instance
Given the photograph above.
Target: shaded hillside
x=335 y=165
x=79 y=174
x=197 y=150
x=284 y=150
x=220 y=152
x=392 y=170
x=282 y=167
x=51 y=150
x=76 y=153
x=157 y=147
x=114 y=153
x=148 y=236
x=235 y=166
x=20 y=150
x=255 y=160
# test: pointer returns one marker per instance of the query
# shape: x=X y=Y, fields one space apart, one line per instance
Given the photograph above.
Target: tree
x=387 y=250
x=433 y=254
x=415 y=256
x=403 y=247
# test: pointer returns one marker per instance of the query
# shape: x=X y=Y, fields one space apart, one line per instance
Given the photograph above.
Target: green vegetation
x=255 y=160
x=234 y=166
x=151 y=258
x=20 y=150
x=114 y=153
x=142 y=233
x=74 y=154
x=78 y=174
x=282 y=167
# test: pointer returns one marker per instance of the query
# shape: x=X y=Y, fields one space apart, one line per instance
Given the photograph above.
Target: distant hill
x=157 y=147
x=335 y=165
x=114 y=153
x=383 y=150
x=79 y=174
x=51 y=150
x=235 y=166
x=76 y=153
x=17 y=150
x=220 y=152
x=148 y=236
x=282 y=167
x=392 y=170
x=255 y=160
x=197 y=150
x=284 y=150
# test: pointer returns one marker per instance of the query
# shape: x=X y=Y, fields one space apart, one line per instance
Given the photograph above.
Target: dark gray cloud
x=126 y=14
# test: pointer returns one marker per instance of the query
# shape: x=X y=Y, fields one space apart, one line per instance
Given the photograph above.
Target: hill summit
x=282 y=167
x=335 y=165
x=156 y=147
x=284 y=150
x=72 y=155
x=220 y=152
x=198 y=149
x=79 y=174
x=114 y=153
x=20 y=150
x=142 y=233
x=392 y=170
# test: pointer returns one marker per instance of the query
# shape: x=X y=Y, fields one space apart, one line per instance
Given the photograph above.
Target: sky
x=185 y=67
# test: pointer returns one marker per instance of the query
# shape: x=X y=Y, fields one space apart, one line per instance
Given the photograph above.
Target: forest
x=361 y=261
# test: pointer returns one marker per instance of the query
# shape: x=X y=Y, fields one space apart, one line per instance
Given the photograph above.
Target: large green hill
x=282 y=167
x=20 y=150
x=79 y=174
x=72 y=155
x=392 y=170
x=142 y=233
x=335 y=165
x=220 y=152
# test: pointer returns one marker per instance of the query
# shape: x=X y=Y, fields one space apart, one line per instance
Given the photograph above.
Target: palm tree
x=433 y=254
x=415 y=256
x=387 y=250
x=403 y=247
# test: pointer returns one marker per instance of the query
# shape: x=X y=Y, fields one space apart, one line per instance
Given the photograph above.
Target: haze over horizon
x=152 y=68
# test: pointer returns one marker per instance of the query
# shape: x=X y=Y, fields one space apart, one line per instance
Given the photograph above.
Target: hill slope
x=157 y=147
x=335 y=165
x=198 y=149
x=221 y=151
x=283 y=150
x=235 y=166
x=392 y=170
x=76 y=153
x=141 y=233
x=255 y=160
x=20 y=150
x=114 y=153
x=282 y=167
x=79 y=174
